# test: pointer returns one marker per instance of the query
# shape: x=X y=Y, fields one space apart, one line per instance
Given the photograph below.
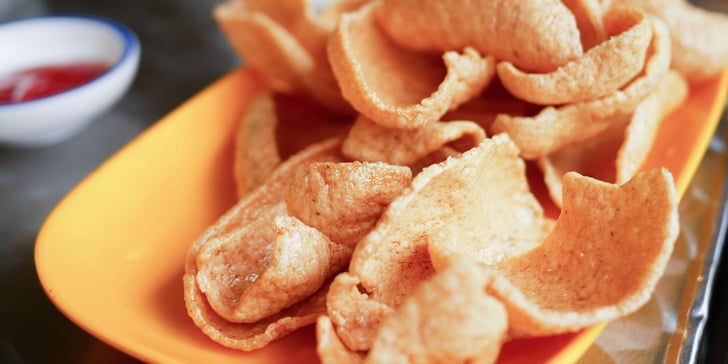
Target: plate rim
x=582 y=339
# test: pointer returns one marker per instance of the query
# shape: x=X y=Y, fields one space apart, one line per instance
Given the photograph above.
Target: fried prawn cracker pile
x=384 y=194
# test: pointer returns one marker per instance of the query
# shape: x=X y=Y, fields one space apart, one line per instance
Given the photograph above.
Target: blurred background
x=183 y=51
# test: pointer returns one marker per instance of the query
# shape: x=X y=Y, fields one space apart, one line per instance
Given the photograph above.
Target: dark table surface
x=182 y=52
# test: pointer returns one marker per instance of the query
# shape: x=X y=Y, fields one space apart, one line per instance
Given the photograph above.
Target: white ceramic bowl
x=49 y=40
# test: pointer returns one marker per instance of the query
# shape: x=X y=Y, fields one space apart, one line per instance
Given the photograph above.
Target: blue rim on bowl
x=60 y=40
x=131 y=46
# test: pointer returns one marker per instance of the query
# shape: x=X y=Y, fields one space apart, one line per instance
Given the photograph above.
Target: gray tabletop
x=182 y=52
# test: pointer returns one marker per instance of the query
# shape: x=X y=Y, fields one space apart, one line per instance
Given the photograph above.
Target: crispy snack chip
x=616 y=154
x=442 y=204
x=369 y=141
x=697 y=35
x=556 y=127
x=286 y=42
x=586 y=273
x=447 y=319
x=512 y=221
x=373 y=204
x=317 y=194
x=395 y=87
x=248 y=276
x=258 y=262
x=640 y=133
x=329 y=347
x=274 y=127
x=257 y=209
x=535 y=35
x=601 y=71
x=588 y=15
x=256 y=151
x=355 y=316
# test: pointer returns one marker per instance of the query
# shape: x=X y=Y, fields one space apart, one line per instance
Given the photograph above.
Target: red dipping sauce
x=44 y=81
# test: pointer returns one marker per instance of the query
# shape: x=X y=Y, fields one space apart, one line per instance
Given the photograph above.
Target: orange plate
x=110 y=255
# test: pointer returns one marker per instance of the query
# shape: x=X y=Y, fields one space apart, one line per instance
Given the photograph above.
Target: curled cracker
x=243 y=287
x=256 y=150
x=697 y=35
x=586 y=273
x=536 y=35
x=556 y=127
x=397 y=88
x=353 y=313
x=284 y=41
x=512 y=222
x=594 y=157
x=447 y=319
x=274 y=127
x=329 y=347
x=316 y=194
x=641 y=132
x=616 y=154
x=438 y=206
x=588 y=14
x=260 y=206
x=601 y=71
x=368 y=141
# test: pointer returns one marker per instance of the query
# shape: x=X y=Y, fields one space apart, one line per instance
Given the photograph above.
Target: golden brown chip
x=355 y=316
x=643 y=126
x=439 y=206
x=698 y=36
x=601 y=71
x=286 y=43
x=249 y=29
x=536 y=35
x=588 y=15
x=344 y=200
x=329 y=347
x=259 y=207
x=247 y=278
x=556 y=127
x=398 y=88
x=494 y=214
x=602 y=260
x=495 y=100
x=274 y=127
x=255 y=335
x=594 y=157
x=447 y=319
x=256 y=151
x=616 y=154
x=369 y=141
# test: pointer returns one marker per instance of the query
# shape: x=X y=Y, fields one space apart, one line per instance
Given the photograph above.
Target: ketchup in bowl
x=44 y=81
